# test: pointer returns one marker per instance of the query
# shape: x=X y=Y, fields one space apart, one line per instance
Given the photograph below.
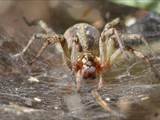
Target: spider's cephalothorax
x=88 y=65
x=87 y=52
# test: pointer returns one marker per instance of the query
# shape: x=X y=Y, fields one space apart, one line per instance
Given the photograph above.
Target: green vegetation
x=151 y=5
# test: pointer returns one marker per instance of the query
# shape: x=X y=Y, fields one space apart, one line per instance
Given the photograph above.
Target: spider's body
x=87 y=52
x=82 y=40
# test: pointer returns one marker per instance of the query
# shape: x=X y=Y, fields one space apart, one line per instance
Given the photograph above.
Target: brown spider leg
x=44 y=46
x=107 y=32
x=34 y=37
x=74 y=55
x=112 y=59
x=100 y=101
x=62 y=45
x=105 y=40
x=48 y=39
x=68 y=57
x=146 y=59
x=111 y=24
x=44 y=26
x=137 y=54
x=106 y=46
x=120 y=43
x=78 y=80
x=103 y=54
x=105 y=49
x=108 y=64
x=41 y=23
x=137 y=37
x=114 y=56
x=100 y=83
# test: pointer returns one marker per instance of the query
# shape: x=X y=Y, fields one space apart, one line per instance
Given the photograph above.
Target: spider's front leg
x=76 y=64
x=108 y=56
x=107 y=48
x=33 y=38
x=48 y=36
x=44 y=27
x=48 y=40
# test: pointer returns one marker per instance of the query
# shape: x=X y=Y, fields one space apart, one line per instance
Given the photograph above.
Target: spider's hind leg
x=137 y=39
x=146 y=59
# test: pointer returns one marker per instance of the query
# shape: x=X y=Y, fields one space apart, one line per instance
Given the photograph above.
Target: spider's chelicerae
x=87 y=52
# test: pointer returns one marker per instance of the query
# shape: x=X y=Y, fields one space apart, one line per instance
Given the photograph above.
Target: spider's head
x=88 y=65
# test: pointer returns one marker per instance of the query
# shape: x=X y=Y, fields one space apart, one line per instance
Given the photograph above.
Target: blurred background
x=63 y=13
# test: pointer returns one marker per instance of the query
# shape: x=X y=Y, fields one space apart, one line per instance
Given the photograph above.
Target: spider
x=87 y=52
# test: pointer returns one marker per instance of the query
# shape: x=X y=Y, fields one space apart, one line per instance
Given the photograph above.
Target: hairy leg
x=78 y=81
x=137 y=38
x=33 y=38
x=146 y=59
x=106 y=46
x=48 y=39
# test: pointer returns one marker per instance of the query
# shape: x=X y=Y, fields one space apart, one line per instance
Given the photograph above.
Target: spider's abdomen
x=88 y=36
